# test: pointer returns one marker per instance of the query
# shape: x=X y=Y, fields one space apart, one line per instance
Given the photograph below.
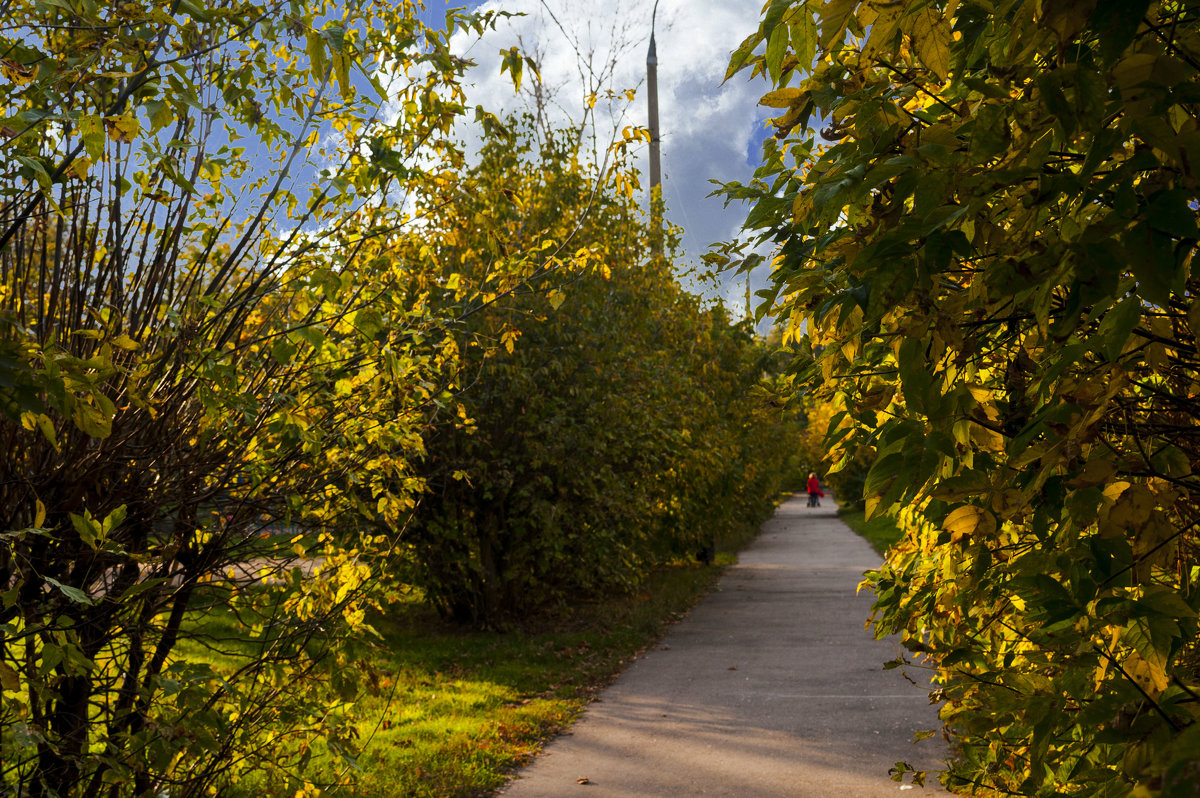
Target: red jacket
x=814 y=486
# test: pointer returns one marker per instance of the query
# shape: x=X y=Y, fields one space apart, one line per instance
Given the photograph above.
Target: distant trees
x=986 y=262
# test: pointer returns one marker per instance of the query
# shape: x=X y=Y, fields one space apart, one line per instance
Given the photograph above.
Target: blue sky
x=709 y=130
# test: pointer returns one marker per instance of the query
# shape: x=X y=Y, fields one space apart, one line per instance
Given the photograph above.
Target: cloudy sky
x=709 y=130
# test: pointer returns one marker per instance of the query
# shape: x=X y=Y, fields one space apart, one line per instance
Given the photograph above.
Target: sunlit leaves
x=590 y=375
x=203 y=340
x=998 y=224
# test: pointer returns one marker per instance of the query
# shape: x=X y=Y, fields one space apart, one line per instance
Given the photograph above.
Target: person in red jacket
x=814 y=490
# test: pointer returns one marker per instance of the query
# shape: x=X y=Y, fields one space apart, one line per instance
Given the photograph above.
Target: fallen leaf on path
x=584 y=780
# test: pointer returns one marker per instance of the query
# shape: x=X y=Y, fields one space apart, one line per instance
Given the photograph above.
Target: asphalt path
x=770 y=687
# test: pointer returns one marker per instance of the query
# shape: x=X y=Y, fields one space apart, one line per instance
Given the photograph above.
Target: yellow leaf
x=79 y=167
x=39 y=515
x=1194 y=315
x=782 y=98
x=835 y=15
x=1067 y=17
x=125 y=342
x=1008 y=503
x=872 y=505
x=9 y=678
x=122 y=128
x=509 y=339
x=967 y=521
x=315 y=47
x=878 y=396
x=987 y=439
x=1133 y=508
x=1115 y=489
x=556 y=298
x=931 y=36
x=883 y=26
x=979 y=393
x=18 y=74
x=1150 y=676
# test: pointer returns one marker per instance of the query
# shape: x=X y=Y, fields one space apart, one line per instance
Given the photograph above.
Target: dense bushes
x=987 y=262
x=202 y=346
x=616 y=432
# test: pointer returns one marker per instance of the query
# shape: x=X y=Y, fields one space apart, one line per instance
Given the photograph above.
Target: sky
x=709 y=131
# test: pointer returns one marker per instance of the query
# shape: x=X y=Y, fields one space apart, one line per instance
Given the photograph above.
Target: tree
x=613 y=428
x=203 y=339
x=986 y=257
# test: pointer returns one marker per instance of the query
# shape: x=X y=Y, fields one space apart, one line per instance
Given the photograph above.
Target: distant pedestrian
x=814 y=490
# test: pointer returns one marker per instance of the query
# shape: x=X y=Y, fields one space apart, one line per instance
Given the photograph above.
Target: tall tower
x=655 y=140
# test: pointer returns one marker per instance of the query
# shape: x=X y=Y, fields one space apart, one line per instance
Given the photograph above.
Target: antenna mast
x=655 y=140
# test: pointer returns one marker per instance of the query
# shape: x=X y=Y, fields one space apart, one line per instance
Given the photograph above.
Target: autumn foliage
x=263 y=329
x=608 y=421
x=985 y=258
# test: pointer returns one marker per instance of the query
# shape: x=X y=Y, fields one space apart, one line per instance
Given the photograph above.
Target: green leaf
x=1170 y=212
x=914 y=373
x=283 y=351
x=512 y=63
x=112 y=521
x=882 y=473
x=315 y=47
x=142 y=587
x=73 y=593
x=36 y=169
x=1118 y=325
x=1116 y=22
x=741 y=55
x=1166 y=602
x=776 y=50
x=1152 y=638
x=91 y=129
x=90 y=531
x=91 y=421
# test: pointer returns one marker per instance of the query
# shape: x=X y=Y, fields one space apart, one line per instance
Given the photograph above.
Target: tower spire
x=655 y=140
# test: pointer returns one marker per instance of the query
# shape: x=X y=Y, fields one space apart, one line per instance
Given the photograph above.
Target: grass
x=452 y=712
x=466 y=708
x=881 y=531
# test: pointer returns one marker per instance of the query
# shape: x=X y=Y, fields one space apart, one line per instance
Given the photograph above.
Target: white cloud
x=707 y=128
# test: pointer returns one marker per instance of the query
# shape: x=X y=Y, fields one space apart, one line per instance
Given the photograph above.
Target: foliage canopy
x=255 y=307
x=985 y=259
x=205 y=344
x=619 y=424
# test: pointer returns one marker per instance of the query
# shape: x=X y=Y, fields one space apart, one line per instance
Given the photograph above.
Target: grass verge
x=457 y=711
x=452 y=712
x=881 y=531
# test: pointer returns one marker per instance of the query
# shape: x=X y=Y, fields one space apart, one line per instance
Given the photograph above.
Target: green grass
x=452 y=712
x=881 y=531
x=457 y=711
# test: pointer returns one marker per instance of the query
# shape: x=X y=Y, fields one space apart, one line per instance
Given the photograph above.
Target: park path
x=770 y=687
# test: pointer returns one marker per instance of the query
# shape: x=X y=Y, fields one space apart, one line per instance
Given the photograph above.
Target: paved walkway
x=770 y=687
